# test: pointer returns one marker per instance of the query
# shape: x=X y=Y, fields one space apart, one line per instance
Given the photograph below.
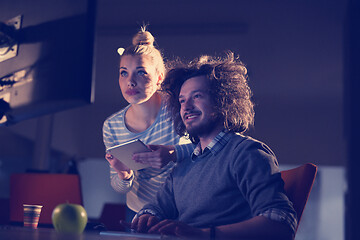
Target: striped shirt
x=142 y=187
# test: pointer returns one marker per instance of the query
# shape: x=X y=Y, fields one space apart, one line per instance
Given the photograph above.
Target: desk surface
x=22 y=233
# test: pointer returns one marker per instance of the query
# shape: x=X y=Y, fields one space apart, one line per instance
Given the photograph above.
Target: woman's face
x=138 y=78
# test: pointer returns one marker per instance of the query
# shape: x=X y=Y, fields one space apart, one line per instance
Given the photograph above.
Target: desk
x=22 y=233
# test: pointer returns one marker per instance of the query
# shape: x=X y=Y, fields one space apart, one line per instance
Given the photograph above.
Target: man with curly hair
x=230 y=187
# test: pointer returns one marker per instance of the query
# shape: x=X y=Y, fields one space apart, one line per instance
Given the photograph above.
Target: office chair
x=298 y=184
x=44 y=189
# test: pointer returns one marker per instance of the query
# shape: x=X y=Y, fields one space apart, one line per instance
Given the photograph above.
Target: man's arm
x=183 y=151
x=163 y=207
x=259 y=228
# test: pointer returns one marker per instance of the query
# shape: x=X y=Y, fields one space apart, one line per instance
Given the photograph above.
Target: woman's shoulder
x=117 y=116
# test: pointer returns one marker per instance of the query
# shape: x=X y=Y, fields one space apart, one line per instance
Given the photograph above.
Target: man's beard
x=204 y=128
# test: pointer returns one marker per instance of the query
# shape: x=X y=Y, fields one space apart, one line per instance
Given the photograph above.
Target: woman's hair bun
x=143 y=37
x=143 y=45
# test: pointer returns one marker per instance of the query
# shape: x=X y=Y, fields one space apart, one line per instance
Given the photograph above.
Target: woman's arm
x=121 y=177
x=163 y=154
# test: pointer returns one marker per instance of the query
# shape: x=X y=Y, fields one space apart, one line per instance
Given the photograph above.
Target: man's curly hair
x=228 y=87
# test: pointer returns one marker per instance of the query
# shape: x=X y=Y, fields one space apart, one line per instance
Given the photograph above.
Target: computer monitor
x=46 y=57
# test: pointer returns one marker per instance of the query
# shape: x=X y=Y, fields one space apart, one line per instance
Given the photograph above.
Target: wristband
x=147 y=211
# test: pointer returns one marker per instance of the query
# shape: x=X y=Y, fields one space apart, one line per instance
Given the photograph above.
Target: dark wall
x=293 y=51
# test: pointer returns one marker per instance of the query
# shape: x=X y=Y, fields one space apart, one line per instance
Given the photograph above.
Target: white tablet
x=124 y=153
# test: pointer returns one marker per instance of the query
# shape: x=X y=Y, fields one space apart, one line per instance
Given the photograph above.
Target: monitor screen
x=46 y=57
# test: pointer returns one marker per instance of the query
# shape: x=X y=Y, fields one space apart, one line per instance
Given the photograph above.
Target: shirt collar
x=214 y=146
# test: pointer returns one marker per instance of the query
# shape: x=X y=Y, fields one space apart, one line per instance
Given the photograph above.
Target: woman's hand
x=123 y=171
x=158 y=158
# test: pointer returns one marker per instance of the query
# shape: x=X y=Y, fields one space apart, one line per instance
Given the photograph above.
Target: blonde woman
x=141 y=73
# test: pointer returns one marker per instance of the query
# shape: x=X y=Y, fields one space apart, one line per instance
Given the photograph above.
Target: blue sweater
x=234 y=181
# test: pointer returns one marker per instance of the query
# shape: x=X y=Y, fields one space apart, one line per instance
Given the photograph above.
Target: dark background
x=294 y=51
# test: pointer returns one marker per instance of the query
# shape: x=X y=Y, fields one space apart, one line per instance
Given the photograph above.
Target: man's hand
x=180 y=229
x=123 y=171
x=143 y=223
x=158 y=158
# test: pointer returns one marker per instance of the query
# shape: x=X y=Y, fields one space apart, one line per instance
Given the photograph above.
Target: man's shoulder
x=240 y=141
x=248 y=148
x=237 y=138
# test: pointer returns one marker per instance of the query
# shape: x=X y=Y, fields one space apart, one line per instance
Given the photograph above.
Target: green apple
x=69 y=218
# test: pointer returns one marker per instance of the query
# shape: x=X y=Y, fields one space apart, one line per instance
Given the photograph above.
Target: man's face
x=196 y=108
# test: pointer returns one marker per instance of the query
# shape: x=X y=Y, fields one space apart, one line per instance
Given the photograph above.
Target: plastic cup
x=31 y=215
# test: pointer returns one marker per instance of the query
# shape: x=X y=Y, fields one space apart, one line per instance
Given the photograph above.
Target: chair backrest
x=298 y=184
x=44 y=189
